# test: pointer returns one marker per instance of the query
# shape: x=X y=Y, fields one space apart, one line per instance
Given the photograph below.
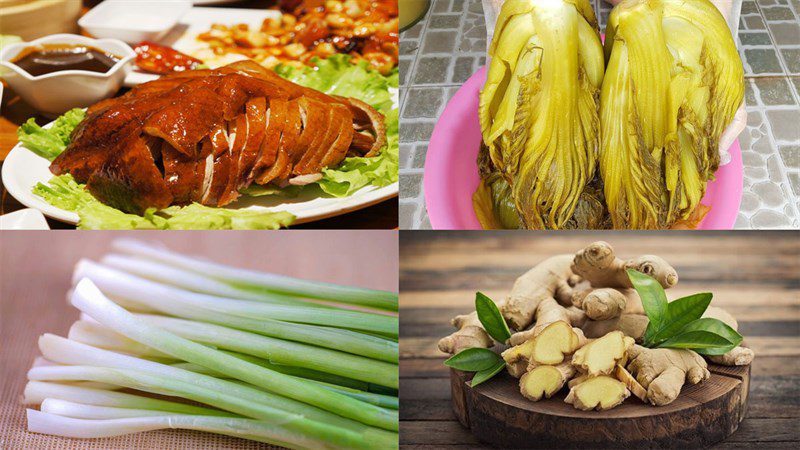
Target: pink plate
x=451 y=169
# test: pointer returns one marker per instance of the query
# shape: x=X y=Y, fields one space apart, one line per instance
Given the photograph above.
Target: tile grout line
x=792 y=85
x=781 y=167
x=412 y=69
x=773 y=44
x=778 y=51
x=409 y=85
x=421 y=211
x=415 y=219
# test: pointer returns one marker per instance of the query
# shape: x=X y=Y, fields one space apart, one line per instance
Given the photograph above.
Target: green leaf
x=199 y=217
x=491 y=319
x=49 y=143
x=62 y=191
x=654 y=302
x=487 y=374
x=707 y=325
x=698 y=340
x=681 y=312
x=473 y=360
x=337 y=75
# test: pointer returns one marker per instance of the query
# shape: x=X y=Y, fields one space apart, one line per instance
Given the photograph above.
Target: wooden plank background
x=753 y=274
x=35 y=272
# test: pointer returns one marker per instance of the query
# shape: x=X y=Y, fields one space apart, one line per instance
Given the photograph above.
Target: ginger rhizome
x=621 y=374
x=602 y=355
x=737 y=356
x=549 y=280
x=607 y=303
x=544 y=380
x=470 y=334
x=600 y=393
x=551 y=345
x=663 y=371
x=598 y=265
x=575 y=320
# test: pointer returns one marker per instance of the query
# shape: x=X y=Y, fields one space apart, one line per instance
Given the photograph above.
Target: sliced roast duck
x=205 y=135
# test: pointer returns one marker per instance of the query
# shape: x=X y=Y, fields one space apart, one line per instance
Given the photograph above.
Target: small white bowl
x=57 y=92
x=24 y=219
x=134 y=22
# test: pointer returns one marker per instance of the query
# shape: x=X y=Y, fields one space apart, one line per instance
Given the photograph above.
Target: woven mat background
x=35 y=272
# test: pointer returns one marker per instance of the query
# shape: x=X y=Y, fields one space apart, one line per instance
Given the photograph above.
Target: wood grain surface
x=14 y=111
x=703 y=414
x=35 y=271
x=754 y=275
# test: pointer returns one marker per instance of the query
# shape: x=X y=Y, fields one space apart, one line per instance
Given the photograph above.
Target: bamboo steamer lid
x=32 y=19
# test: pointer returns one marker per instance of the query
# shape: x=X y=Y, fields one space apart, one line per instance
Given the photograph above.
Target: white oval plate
x=199 y=20
x=22 y=169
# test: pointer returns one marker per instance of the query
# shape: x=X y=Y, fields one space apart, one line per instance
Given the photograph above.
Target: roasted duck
x=204 y=135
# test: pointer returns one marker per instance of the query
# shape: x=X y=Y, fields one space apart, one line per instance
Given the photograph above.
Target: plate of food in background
x=293 y=35
x=250 y=136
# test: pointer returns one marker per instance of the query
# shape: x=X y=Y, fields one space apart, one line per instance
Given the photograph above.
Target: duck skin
x=203 y=136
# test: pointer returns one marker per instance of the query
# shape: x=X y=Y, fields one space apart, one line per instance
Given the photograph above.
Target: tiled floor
x=443 y=50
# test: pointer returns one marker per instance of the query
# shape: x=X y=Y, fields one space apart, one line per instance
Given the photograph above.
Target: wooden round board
x=703 y=414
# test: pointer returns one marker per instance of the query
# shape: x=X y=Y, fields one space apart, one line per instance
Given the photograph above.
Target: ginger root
x=600 y=304
x=470 y=334
x=550 y=279
x=544 y=381
x=553 y=308
x=597 y=264
x=549 y=346
x=517 y=368
x=633 y=325
x=520 y=337
x=738 y=356
x=607 y=303
x=549 y=312
x=555 y=342
x=626 y=378
x=600 y=393
x=663 y=371
x=602 y=355
x=577 y=380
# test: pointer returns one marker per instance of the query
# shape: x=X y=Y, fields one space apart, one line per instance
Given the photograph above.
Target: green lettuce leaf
x=199 y=217
x=62 y=191
x=49 y=143
x=337 y=76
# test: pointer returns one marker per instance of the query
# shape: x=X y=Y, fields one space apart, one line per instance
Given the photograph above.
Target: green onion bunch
x=172 y=341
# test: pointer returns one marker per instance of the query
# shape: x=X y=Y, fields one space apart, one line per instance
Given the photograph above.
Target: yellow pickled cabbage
x=539 y=113
x=672 y=84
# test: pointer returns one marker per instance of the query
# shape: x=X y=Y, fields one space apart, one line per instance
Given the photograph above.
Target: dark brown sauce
x=49 y=58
